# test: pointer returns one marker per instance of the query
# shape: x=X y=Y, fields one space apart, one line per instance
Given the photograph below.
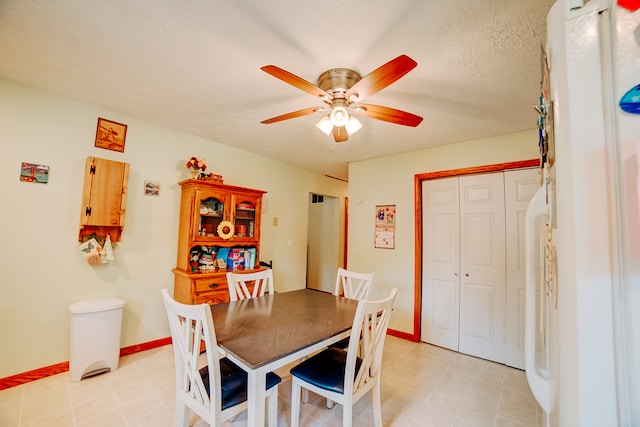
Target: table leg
x=256 y=396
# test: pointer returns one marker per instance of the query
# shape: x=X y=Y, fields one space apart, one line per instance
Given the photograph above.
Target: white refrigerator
x=583 y=295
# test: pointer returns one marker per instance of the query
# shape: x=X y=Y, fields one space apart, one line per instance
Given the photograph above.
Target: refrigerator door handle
x=539 y=381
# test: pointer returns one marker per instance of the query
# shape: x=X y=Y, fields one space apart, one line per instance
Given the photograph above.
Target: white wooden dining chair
x=343 y=376
x=240 y=284
x=216 y=392
x=352 y=284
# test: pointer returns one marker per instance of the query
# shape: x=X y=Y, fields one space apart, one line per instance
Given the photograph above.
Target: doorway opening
x=323 y=240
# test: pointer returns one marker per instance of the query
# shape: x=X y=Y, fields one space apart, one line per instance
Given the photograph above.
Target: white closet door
x=482 y=266
x=441 y=263
x=519 y=187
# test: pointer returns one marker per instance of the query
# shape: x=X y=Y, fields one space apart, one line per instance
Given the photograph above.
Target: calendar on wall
x=385 y=228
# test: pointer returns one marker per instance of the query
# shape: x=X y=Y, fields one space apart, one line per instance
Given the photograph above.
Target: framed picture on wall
x=151 y=188
x=110 y=135
x=31 y=172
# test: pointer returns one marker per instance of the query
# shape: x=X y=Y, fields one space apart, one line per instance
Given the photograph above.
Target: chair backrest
x=354 y=285
x=366 y=341
x=239 y=284
x=191 y=325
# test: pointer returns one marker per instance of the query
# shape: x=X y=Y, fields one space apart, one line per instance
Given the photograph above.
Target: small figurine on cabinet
x=212 y=177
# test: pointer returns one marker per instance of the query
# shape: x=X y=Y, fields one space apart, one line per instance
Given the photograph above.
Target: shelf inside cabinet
x=240 y=215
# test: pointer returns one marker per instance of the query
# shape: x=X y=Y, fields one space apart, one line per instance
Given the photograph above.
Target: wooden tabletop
x=262 y=330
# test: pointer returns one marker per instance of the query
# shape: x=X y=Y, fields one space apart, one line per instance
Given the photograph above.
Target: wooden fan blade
x=296 y=81
x=293 y=115
x=340 y=134
x=381 y=78
x=388 y=115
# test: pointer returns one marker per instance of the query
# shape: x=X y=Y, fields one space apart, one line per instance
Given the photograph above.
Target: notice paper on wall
x=385 y=228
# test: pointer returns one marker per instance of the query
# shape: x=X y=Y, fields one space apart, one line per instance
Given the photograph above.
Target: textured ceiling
x=194 y=65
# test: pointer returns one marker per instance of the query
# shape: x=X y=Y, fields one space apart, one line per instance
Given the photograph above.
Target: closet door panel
x=482 y=266
x=478 y=319
x=519 y=188
x=443 y=321
x=477 y=245
x=441 y=263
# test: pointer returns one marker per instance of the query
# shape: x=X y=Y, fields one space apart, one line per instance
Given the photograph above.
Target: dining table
x=266 y=333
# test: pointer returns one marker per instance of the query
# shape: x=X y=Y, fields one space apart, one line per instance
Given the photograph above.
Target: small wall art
x=385 y=227
x=151 y=188
x=110 y=135
x=31 y=172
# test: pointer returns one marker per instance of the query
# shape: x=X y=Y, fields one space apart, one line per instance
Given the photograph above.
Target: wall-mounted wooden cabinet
x=219 y=231
x=104 y=198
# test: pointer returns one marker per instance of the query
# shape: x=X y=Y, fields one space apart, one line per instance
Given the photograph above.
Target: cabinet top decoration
x=196 y=163
x=217 y=185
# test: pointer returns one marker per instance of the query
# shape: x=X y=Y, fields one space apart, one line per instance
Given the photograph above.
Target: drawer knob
x=214 y=285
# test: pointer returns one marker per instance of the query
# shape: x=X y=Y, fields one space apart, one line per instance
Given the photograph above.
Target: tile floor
x=422 y=385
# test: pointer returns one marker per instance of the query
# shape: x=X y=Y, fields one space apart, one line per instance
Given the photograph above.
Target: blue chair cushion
x=234 y=382
x=325 y=370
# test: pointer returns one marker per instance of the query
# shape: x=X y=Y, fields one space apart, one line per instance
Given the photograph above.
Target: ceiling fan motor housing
x=338 y=81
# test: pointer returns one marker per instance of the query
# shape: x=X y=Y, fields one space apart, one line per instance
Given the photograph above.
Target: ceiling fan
x=341 y=90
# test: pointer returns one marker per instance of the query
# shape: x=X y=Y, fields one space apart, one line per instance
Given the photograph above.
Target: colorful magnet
x=632 y=5
x=630 y=102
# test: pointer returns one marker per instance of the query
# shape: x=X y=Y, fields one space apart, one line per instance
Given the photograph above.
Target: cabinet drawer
x=213 y=297
x=218 y=283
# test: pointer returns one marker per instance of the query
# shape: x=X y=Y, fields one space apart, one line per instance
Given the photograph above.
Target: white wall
x=42 y=269
x=390 y=180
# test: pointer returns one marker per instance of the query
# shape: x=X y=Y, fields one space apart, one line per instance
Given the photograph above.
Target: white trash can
x=95 y=337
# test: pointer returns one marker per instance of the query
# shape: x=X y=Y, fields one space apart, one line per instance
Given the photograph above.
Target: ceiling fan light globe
x=325 y=125
x=339 y=116
x=353 y=125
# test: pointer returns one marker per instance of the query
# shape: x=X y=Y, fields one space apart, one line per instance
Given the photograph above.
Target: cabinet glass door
x=245 y=218
x=210 y=214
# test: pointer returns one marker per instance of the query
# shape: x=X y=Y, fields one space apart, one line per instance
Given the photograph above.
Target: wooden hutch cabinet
x=219 y=232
